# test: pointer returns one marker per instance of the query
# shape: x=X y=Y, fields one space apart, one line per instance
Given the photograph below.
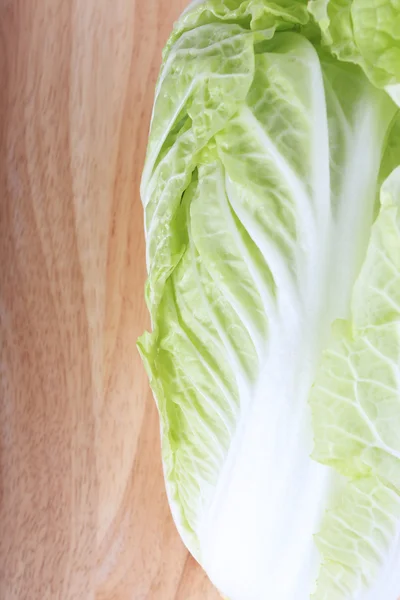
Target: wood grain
x=83 y=511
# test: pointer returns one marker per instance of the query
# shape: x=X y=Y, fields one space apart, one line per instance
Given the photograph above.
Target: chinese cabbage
x=271 y=193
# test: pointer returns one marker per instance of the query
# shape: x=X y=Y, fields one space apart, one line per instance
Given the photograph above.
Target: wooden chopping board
x=83 y=510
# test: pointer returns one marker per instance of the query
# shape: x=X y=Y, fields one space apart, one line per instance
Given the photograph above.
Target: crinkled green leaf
x=356 y=413
x=365 y=32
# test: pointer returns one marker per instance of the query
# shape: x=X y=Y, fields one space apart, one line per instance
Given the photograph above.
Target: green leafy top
x=364 y=32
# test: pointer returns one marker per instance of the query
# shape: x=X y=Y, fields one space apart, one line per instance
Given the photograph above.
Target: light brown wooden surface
x=83 y=513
